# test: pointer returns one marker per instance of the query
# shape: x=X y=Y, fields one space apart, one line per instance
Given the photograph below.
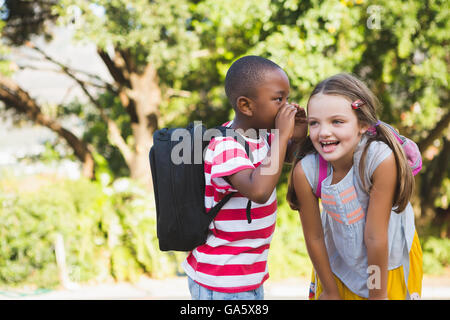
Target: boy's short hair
x=244 y=76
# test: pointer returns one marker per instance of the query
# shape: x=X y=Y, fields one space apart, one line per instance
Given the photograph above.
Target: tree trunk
x=435 y=133
x=140 y=94
x=430 y=188
x=146 y=95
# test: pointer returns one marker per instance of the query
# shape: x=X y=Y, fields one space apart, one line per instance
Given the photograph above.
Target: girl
x=363 y=244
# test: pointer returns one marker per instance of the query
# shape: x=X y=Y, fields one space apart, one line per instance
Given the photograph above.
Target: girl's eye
x=279 y=99
x=312 y=123
x=337 y=121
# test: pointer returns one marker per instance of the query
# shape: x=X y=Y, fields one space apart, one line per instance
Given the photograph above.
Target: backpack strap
x=215 y=210
x=410 y=148
x=323 y=167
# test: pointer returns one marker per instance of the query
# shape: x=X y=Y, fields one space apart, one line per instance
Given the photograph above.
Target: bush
x=107 y=232
x=436 y=255
x=31 y=221
x=288 y=256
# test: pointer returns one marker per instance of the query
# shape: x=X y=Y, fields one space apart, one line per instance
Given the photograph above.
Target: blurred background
x=84 y=84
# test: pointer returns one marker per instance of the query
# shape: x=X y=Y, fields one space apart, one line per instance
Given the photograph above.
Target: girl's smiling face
x=334 y=128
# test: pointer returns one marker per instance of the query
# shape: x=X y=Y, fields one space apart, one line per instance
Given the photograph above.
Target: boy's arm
x=313 y=231
x=258 y=184
x=377 y=222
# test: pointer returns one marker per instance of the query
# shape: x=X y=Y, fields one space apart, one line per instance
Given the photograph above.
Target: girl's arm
x=314 y=237
x=376 y=231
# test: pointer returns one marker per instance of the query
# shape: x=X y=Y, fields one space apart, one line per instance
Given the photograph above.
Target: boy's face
x=270 y=96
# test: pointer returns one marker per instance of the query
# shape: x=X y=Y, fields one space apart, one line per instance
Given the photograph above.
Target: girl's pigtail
x=405 y=178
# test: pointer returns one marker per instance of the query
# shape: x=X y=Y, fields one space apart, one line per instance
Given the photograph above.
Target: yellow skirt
x=396 y=288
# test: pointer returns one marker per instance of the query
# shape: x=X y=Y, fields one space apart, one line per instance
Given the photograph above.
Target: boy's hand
x=301 y=125
x=298 y=135
x=285 y=121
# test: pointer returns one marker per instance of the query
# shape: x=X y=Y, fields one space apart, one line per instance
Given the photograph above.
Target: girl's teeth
x=329 y=146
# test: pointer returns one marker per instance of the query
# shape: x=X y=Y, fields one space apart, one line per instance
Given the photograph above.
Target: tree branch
x=435 y=133
x=15 y=97
x=113 y=69
x=71 y=72
x=105 y=85
x=169 y=92
x=113 y=130
x=118 y=70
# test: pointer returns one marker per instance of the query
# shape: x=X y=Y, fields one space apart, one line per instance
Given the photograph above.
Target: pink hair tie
x=373 y=129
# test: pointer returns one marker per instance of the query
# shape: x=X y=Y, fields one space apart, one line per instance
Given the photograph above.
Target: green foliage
x=152 y=31
x=406 y=60
x=444 y=201
x=135 y=211
x=288 y=256
x=108 y=158
x=5 y=67
x=107 y=231
x=436 y=255
x=30 y=222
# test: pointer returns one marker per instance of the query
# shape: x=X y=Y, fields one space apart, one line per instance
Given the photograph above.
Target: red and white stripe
x=234 y=257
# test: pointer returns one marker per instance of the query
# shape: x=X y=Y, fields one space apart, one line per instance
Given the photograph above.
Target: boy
x=232 y=264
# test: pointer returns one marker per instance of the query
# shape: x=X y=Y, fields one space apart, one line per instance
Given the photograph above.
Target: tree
x=143 y=45
x=17 y=29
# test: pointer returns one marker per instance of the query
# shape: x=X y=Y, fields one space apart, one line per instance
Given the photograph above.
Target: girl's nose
x=324 y=131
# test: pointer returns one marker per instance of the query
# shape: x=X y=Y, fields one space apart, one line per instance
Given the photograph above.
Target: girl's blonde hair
x=349 y=86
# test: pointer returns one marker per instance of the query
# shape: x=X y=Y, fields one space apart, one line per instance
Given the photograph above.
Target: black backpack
x=182 y=223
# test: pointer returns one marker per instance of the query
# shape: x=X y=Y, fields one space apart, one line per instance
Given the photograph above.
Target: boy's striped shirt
x=234 y=257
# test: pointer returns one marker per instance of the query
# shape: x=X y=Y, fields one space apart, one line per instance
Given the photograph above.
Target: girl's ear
x=363 y=128
x=244 y=105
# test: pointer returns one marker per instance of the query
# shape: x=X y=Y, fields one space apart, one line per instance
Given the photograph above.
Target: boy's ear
x=244 y=105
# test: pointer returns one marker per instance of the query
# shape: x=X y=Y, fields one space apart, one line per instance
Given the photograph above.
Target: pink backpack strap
x=323 y=166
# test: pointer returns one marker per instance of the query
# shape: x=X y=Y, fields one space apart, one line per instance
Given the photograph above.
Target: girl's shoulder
x=310 y=166
x=378 y=147
x=377 y=152
x=310 y=162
